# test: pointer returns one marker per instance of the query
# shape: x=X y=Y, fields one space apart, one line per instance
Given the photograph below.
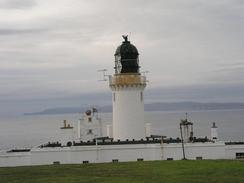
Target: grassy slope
x=154 y=171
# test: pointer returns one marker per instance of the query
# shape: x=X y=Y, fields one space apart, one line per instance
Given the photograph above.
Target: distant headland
x=160 y=106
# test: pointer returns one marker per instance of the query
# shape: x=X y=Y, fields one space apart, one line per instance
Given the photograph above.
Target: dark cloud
x=234 y=64
x=4 y=32
x=233 y=69
x=199 y=93
x=17 y=4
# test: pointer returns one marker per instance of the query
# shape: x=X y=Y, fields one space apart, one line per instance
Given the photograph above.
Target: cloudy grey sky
x=50 y=50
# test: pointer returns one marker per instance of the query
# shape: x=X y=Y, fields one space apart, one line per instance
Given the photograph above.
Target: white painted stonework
x=121 y=153
x=148 y=129
x=214 y=133
x=128 y=106
x=89 y=127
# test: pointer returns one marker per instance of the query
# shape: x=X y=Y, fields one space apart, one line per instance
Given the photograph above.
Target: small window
x=199 y=158
x=85 y=162
x=115 y=160
x=89 y=132
x=170 y=159
x=89 y=119
x=139 y=159
x=56 y=162
x=114 y=97
x=240 y=155
x=141 y=96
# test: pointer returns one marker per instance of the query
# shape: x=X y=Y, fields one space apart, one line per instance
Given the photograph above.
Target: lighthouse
x=127 y=85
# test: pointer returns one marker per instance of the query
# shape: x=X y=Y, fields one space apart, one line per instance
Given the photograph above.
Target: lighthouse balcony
x=127 y=79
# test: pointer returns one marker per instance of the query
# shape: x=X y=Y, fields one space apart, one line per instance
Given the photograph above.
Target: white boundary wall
x=122 y=153
x=15 y=159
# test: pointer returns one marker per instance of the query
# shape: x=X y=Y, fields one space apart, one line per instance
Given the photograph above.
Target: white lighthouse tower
x=127 y=85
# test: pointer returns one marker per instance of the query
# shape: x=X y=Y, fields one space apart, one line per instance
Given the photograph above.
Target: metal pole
x=96 y=151
x=162 y=153
x=182 y=143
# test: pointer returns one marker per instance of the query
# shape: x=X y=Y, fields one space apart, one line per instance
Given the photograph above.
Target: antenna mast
x=105 y=76
x=144 y=73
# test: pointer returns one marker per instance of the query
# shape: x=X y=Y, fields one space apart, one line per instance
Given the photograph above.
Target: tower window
x=89 y=119
x=141 y=96
x=114 y=97
x=115 y=160
x=89 y=132
x=240 y=155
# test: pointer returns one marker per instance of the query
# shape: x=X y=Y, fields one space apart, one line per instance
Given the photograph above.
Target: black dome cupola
x=126 y=58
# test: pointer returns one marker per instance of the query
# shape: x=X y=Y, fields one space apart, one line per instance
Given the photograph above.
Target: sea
x=28 y=131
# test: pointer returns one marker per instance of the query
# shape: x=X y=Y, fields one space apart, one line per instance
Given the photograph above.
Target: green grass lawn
x=221 y=171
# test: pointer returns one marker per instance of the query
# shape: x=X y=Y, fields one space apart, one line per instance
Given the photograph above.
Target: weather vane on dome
x=125 y=37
